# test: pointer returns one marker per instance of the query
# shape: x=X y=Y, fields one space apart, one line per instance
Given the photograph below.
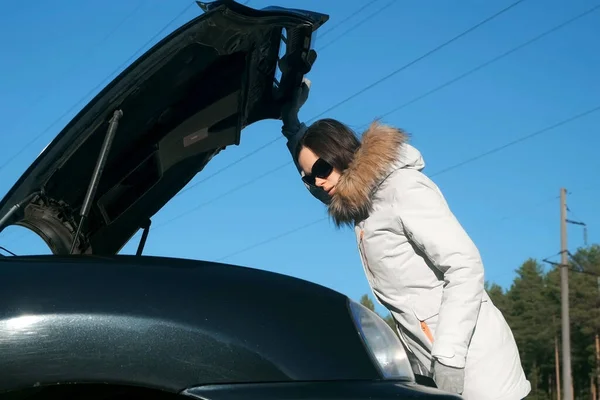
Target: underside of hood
x=179 y=104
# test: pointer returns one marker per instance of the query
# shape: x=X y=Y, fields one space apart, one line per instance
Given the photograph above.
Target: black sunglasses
x=320 y=169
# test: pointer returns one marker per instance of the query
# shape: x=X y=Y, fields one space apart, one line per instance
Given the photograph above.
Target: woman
x=420 y=263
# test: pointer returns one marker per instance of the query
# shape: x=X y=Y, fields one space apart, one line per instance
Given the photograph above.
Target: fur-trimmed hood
x=383 y=150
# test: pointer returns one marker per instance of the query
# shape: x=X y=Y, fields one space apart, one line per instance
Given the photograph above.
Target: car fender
x=169 y=324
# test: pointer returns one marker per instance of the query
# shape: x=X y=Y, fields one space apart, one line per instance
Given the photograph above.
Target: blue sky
x=58 y=53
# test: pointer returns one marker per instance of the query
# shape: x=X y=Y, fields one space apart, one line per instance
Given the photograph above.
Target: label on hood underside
x=195 y=137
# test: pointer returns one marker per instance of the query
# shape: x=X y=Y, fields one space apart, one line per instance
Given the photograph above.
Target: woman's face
x=324 y=175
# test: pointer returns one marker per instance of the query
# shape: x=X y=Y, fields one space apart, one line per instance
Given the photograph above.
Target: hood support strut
x=91 y=192
x=146 y=230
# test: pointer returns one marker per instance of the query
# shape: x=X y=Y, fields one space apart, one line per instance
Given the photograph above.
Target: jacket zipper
x=363 y=254
x=426 y=331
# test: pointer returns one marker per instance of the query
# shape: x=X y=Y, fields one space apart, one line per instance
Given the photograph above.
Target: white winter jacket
x=424 y=268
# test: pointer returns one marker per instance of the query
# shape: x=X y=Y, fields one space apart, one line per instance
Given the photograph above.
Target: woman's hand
x=290 y=110
x=448 y=379
x=293 y=131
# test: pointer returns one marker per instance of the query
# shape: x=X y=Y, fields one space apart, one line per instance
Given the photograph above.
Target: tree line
x=531 y=306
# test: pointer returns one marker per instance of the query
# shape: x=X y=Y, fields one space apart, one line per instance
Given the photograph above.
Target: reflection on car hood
x=183 y=101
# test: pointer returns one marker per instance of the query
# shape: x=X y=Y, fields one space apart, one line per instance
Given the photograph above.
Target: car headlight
x=385 y=347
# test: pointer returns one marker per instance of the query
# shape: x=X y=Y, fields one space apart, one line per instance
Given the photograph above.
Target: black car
x=87 y=323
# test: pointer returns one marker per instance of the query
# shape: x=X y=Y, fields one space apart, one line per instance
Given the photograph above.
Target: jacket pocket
x=426 y=308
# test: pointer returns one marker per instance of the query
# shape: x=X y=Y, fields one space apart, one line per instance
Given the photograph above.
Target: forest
x=531 y=306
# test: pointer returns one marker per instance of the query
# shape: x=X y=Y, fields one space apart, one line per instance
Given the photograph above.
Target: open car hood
x=179 y=104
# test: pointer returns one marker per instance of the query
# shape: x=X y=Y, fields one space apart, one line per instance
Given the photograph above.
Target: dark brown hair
x=332 y=141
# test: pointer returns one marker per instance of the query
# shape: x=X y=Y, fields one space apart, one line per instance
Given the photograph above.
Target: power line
x=279 y=137
x=322 y=219
x=584 y=189
x=327 y=32
x=272 y=171
x=235 y=189
x=489 y=62
x=413 y=100
x=12 y=158
x=519 y=140
x=416 y=60
x=575 y=215
x=533 y=206
x=578 y=264
x=505 y=54
x=74 y=106
x=582 y=270
x=94 y=49
x=437 y=173
x=355 y=26
x=279 y=236
x=553 y=255
x=365 y=89
x=279 y=168
x=241 y=158
x=571 y=119
x=580 y=223
x=226 y=167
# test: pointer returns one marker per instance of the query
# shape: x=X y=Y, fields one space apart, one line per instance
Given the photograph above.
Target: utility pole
x=564 y=292
x=556 y=363
x=597 y=386
x=597 y=355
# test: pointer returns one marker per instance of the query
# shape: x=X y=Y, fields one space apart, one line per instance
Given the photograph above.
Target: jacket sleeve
x=430 y=225
x=293 y=138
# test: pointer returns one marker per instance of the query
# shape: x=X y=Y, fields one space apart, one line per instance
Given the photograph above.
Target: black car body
x=88 y=323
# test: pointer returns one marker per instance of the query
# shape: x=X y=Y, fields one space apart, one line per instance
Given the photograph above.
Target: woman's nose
x=320 y=182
